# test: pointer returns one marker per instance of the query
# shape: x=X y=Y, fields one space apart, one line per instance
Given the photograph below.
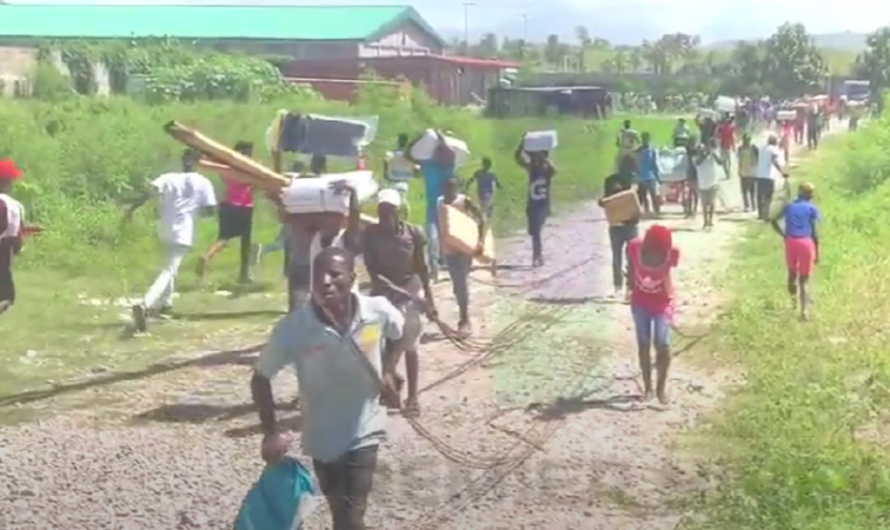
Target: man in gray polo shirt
x=335 y=343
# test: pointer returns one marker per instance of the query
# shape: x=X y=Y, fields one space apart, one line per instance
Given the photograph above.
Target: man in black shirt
x=620 y=234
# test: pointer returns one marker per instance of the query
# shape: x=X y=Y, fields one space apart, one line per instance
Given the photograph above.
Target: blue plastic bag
x=281 y=499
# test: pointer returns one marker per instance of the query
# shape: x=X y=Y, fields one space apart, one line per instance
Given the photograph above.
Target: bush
x=84 y=157
x=805 y=441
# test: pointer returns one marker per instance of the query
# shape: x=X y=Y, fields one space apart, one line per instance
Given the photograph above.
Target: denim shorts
x=653 y=329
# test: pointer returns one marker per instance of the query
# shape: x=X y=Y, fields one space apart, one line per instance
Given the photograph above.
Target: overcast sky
x=712 y=19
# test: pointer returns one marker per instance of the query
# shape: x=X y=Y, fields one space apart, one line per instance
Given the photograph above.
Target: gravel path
x=178 y=450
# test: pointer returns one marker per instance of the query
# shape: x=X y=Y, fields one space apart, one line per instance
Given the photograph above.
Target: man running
x=620 y=235
x=235 y=220
x=649 y=176
x=395 y=256
x=767 y=162
x=335 y=343
x=708 y=165
x=12 y=215
x=747 y=156
x=183 y=197
x=486 y=182
x=801 y=244
x=650 y=261
x=436 y=171
x=459 y=263
x=537 y=207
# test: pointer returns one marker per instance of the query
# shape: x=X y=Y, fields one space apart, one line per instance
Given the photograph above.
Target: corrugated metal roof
x=204 y=22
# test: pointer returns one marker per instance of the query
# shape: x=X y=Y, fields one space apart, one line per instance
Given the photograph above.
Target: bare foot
x=140 y=317
x=647 y=396
x=663 y=399
x=411 y=408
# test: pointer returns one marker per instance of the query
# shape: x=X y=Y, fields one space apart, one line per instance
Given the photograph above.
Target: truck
x=856 y=90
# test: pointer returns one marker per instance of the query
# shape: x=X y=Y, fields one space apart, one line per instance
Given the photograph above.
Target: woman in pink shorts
x=801 y=243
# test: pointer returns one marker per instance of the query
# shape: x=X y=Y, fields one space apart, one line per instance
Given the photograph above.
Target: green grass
x=803 y=445
x=101 y=152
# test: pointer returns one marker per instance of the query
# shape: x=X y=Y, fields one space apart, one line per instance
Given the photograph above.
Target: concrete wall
x=17 y=64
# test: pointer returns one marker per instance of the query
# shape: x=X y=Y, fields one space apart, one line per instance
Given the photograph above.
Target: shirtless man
x=395 y=256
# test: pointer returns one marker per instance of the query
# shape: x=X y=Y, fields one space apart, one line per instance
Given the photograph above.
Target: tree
x=585 y=41
x=554 y=51
x=874 y=63
x=792 y=64
x=488 y=46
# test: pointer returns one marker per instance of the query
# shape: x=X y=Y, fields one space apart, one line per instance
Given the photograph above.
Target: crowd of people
x=335 y=332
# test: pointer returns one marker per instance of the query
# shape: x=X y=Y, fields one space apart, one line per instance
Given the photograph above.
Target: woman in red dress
x=650 y=261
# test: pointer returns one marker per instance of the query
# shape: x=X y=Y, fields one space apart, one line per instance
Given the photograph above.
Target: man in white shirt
x=767 y=164
x=709 y=166
x=183 y=196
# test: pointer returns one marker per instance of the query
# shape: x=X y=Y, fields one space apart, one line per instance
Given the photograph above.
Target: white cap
x=389 y=196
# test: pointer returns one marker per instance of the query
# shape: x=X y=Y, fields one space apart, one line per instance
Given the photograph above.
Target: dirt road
x=534 y=423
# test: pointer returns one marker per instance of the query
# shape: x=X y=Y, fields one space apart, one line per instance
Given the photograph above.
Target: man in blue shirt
x=649 y=175
x=486 y=181
x=436 y=171
x=801 y=243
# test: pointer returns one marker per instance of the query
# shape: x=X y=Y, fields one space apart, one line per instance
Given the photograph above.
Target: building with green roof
x=302 y=32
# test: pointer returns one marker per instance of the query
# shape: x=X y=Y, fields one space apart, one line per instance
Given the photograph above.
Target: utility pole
x=524 y=35
x=467 y=6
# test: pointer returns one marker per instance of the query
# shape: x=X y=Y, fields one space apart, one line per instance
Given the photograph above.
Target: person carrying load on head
x=681 y=133
x=628 y=142
x=398 y=170
x=436 y=172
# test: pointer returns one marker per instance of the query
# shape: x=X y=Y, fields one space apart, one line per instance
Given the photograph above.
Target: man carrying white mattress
x=312 y=232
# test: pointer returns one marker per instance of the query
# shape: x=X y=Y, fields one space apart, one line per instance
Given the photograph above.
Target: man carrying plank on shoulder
x=395 y=257
x=459 y=262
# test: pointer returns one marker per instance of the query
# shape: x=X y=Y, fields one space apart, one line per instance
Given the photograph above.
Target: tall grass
x=83 y=158
x=804 y=443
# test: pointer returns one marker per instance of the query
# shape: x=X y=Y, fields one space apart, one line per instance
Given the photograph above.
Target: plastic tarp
x=283 y=497
x=371 y=124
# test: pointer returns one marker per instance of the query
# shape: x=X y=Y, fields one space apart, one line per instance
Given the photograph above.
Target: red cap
x=659 y=237
x=8 y=171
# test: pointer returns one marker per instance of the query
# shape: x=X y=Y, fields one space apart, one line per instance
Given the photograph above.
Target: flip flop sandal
x=411 y=411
